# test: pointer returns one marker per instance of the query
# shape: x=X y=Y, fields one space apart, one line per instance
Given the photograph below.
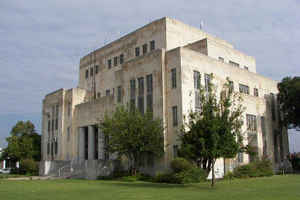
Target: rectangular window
x=256 y=92
x=92 y=72
x=56 y=117
x=119 y=94
x=48 y=148
x=234 y=63
x=98 y=95
x=273 y=106
x=149 y=93
x=121 y=58
x=132 y=94
x=175 y=151
x=141 y=94
x=197 y=80
x=115 y=61
x=96 y=143
x=251 y=123
x=231 y=86
x=240 y=157
x=207 y=81
x=221 y=59
x=68 y=133
x=174 y=114
x=49 y=126
x=109 y=63
x=86 y=143
x=264 y=135
x=145 y=48
x=107 y=92
x=244 y=89
x=173 y=78
x=137 y=51
x=152 y=45
x=96 y=69
x=56 y=147
x=246 y=68
x=197 y=101
x=86 y=74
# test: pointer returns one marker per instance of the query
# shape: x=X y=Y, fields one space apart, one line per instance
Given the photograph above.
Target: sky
x=41 y=42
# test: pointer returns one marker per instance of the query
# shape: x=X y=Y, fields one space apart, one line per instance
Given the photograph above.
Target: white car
x=5 y=171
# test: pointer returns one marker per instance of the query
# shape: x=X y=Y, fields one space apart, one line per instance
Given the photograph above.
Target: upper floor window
x=251 y=122
x=137 y=51
x=86 y=74
x=207 y=80
x=119 y=94
x=173 y=78
x=174 y=114
x=91 y=71
x=221 y=59
x=197 y=80
x=96 y=69
x=115 y=61
x=234 y=63
x=121 y=58
x=244 y=89
x=256 y=92
x=107 y=92
x=98 y=94
x=145 y=48
x=152 y=45
x=149 y=83
x=231 y=86
x=109 y=63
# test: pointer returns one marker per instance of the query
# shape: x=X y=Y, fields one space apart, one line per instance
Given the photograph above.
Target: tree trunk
x=213 y=174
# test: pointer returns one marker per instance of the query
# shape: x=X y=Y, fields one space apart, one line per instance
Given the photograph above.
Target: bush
x=29 y=166
x=193 y=175
x=228 y=176
x=256 y=169
x=168 y=178
x=180 y=165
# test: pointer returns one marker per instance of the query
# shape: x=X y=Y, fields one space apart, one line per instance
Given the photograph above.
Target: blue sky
x=41 y=42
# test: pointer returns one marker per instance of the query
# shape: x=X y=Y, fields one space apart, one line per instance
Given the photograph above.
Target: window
x=86 y=74
x=197 y=101
x=96 y=69
x=121 y=58
x=48 y=148
x=152 y=45
x=240 y=157
x=137 y=51
x=107 y=92
x=246 y=68
x=109 y=63
x=234 y=63
x=115 y=61
x=174 y=114
x=119 y=94
x=149 y=93
x=98 y=95
x=132 y=94
x=49 y=125
x=69 y=109
x=264 y=135
x=106 y=142
x=55 y=147
x=145 y=48
x=251 y=123
x=86 y=143
x=68 y=133
x=175 y=151
x=96 y=143
x=231 y=86
x=197 y=80
x=221 y=59
x=244 y=89
x=56 y=117
x=256 y=92
x=207 y=81
x=92 y=72
x=273 y=106
x=173 y=78
x=141 y=94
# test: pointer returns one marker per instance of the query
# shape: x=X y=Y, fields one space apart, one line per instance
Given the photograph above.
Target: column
x=91 y=150
x=81 y=143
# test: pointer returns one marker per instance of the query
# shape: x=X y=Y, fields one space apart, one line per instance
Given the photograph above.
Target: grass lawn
x=273 y=188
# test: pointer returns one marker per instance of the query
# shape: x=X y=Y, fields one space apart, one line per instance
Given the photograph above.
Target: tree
x=215 y=130
x=289 y=98
x=24 y=143
x=133 y=135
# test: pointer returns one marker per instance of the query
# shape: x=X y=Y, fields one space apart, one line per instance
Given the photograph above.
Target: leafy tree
x=133 y=135
x=24 y=143
x=215 y=130
x=289 y=98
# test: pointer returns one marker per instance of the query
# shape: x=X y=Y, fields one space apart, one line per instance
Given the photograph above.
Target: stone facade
x=154 y=68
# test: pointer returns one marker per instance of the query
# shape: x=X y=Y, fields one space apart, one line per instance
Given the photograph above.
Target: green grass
x=273 y=188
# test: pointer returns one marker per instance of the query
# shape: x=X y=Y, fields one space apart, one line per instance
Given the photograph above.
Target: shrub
x=256 y=169
x=168 y=178
x=180 y=165
x=29 y=166
x=193 y=175
x=228 y=176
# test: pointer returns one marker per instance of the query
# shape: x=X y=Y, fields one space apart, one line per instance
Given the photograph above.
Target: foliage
x=192 y=175
x=180 y=164
x=134 y=135
x=258 y=168
x=228 y=176
x=29 y=166
x=24 y=143
x=289 y=98
x=214 y=131
x=168 y=178
x=295 y=161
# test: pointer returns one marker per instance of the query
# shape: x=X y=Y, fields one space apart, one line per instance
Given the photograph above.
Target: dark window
x=264 y=135
x=91 y=71
x=175 y=117
x=121 y=58
x=52 y=148
x=98 y=95
x=246 y=68
x=86 y=143
x=115 y=61
x=49 y=125
x=256 y=92
x=86 y=74
x=273 y=106
x=207 y=81
x=149 y=93
x=119 y=94
x=152 y=45
x=251 y=123
x=175 y=151
x=55 y=147
x=96 y=143
x=141 y=94
x=48 y=148
x=96 y=69
x=197 y=80
x=68 y=133
x=109 y=63
x=244 y=89
x=137 y=51
x=173 y=78
x=132 y=94
x=107 y=92
x=56 y=117
x=145 y=48
x=234 y=63
x=231 y=86
x=221 y=59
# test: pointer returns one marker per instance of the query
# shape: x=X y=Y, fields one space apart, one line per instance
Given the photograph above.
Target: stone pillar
x=101 y=144
x=91 y=143
x=4 y=164
x=81 y=143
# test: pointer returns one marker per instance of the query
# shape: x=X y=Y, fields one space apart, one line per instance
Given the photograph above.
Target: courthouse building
x=156 y=67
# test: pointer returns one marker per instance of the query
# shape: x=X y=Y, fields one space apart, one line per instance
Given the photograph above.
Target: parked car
x=5 y=171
